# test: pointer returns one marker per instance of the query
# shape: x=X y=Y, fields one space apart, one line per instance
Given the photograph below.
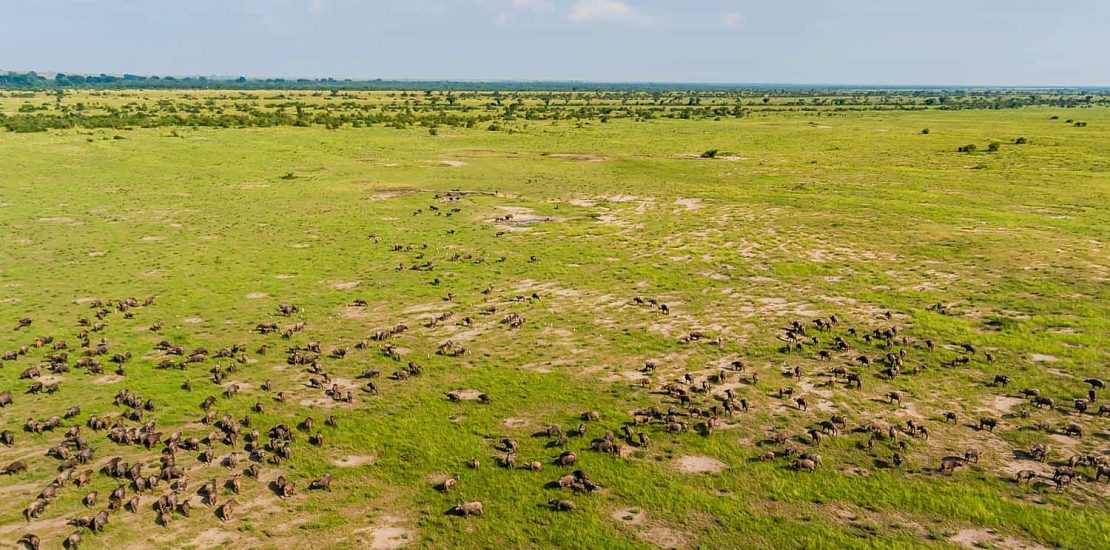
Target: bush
x=925 y=132
x=994 y=147
x=1020 y=141
x=712 y=153
x=969 y=148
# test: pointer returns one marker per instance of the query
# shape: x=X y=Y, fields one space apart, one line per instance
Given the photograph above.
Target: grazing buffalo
x=468 y=509
x=561 y=505
x=949 y=464
x=804 y=464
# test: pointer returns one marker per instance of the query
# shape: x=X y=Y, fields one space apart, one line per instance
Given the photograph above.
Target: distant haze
x=940 y=42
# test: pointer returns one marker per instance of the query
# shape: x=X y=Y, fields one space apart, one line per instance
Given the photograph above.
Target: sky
x=888 y=42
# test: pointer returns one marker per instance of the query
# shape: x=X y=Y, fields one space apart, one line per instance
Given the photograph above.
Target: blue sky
x=1004 y=42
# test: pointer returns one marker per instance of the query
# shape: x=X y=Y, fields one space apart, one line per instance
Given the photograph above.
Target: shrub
x=969 y=148
x=712 y=153
x=1020 y=141
x=925 y=131
x=994 y=147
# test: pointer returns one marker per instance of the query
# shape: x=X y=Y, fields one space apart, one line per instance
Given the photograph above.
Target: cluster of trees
x=68 y=101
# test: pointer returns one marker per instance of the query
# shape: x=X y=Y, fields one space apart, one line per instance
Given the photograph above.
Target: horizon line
x=676 y=83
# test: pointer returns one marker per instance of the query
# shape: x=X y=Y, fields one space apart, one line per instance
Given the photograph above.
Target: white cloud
x=515 y=7
x=733 y=20
x=590 y=11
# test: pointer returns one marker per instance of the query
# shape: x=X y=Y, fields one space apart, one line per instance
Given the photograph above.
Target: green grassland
x=801 y=215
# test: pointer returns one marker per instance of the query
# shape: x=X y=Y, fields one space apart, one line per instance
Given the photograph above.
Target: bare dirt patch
x=212 y=538
x=467 y=395
x=107 y=379
x=1005 y=405
x=256 y=295
x=664 y=537
x=387 y=533
x=453 y=163
x=695 y=464
x=345 y=285
x=57 y=219
x=97 y=254
x=629 y=516
x=153 y=238
x=987 y=538
x=689 y=204
x=353 y=312
x=514 y=422
x=387 y=194
x=34 y=526
x=193 y=320
x=1043 y=358
x=353 y=461
x=583 y=157
x=321 y=402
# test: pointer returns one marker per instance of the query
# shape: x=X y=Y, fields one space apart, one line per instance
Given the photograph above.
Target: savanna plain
x=272 y=319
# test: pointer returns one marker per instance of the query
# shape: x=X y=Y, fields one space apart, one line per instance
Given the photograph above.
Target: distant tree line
x=34 y=81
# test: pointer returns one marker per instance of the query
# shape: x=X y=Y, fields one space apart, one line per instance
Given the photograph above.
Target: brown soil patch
x=107 y=379
x=34 y=527
x=579 y=157
x=424 y=308
x=153 y=238
x=353 y=461
x=97 y=254
x=391 y=194
x=346 y=285
x=388 y=533
x=1043 y=358
x=212 y=538
x=284 y=276
x=987 y=538
x=468 y=395
x=689 y=204
x=514 y=422
x=353 y=312
x=1005 y=405
x=629 y=516
x=57 y=219
x=664 y=537
x=694 y=464
x=453 y=163
x=193 y=320
x=256 y=295
x=321 y=402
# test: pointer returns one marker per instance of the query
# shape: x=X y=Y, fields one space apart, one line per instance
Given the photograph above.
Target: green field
x=564 y=221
